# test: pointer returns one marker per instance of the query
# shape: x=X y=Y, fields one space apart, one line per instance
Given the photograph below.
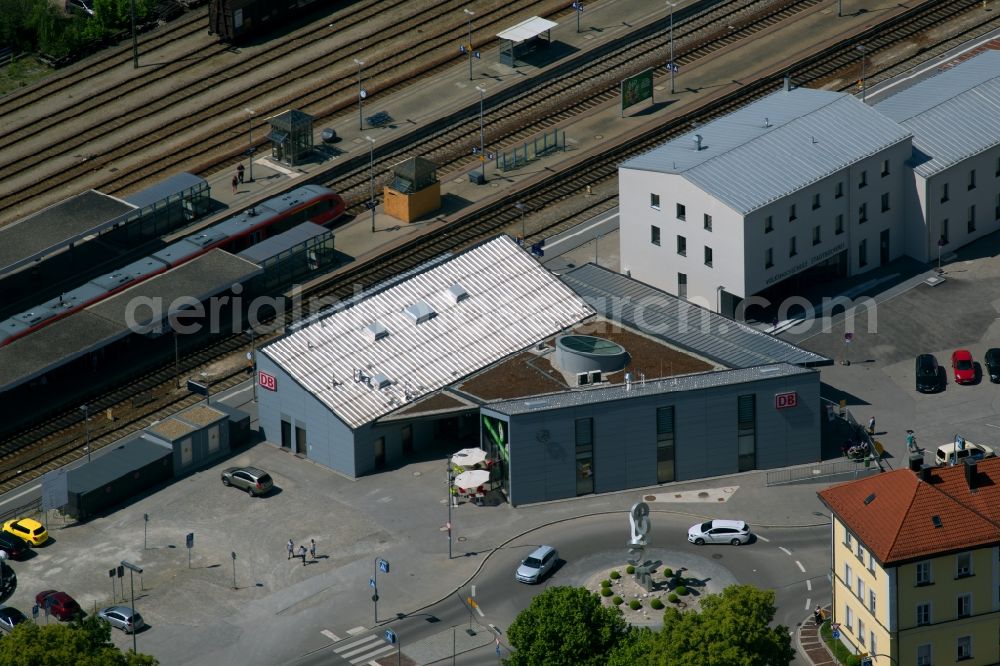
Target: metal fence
x=821 y=470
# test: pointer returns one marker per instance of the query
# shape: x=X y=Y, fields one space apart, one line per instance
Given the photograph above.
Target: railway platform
x=723 y=71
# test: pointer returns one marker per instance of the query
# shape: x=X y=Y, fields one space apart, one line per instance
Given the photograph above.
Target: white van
x=948 y=455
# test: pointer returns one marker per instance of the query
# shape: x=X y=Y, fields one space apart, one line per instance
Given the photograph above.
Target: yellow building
x=916 y=565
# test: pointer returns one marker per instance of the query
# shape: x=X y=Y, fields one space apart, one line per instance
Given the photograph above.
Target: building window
x=964 y=605
x=682 y=285
x=863 y=253
x=871 y=642
x=664 y=444
x=964 y=648
x=584 y=456
x=923 y=614
x=860 y=553
x=654 y=235
x=861 y=631
x=972 y=179
x=924 y=655
x=863 y=181
x=792 y=247
x=885 y=202
x=681 y=212
x=848 y=540
x=746 y=432
x=861 y=590
x=838 y=190
x=885 y=168
x=871 y=563
x=791 y=213
x=862 y=213
x=923 y=573
x=838 y=227
x=944 y=231
x=971 y=224
x=769 y=258
x=708 y=256
x=848 y=618
x=654 y=201
x=963 y=563
x=817 y=238
x=682 y=246
x=848 y=576
x=944 y=192
x=871 y=601
x=815 y=201
x=768 y=224
x=708 y=222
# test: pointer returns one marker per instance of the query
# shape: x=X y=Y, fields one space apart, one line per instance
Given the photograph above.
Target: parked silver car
x=254 y=481
x=534 y=567
x=719 y=531
x=122 y=617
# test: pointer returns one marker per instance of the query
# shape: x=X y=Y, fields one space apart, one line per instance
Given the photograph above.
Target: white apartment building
x=801 y=180
x=955 y=120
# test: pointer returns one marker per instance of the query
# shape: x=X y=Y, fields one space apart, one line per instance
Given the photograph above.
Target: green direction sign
x=637 y=88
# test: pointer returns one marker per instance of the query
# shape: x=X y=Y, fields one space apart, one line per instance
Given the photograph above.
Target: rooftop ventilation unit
x=380 y=381
x=419 y=312
x=376 y=331
x=936 y=520
x=456 y=293
x=869 y=499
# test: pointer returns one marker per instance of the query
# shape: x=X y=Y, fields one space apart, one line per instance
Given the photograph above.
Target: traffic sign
x=371 y=583
x=836 y=633
x=34 y=612
x=390 y=635
x=189 y=540
x=383 y=565
x=461 y=49
x=848 y=337
x=363 y=93
x=672 y=67
x=475 y=54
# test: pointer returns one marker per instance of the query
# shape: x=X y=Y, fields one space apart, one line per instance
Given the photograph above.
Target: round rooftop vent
x=586 y=353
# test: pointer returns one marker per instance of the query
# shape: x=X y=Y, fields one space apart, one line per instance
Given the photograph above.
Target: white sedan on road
x=734 y=532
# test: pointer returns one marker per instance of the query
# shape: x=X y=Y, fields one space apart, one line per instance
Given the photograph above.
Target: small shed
x=198 y=436
x=524 y=38
x=415 y=189
x=114 y=477
x=291 y=136
x=239 y=424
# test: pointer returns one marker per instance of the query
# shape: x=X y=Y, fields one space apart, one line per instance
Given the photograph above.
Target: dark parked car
x=254 y=481
x=15 y=547
x=928 y=374
x=60 y=604
x=10 y=618
x=993 y=364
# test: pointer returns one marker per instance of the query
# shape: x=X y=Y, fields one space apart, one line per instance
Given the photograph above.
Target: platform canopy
x=526 y=30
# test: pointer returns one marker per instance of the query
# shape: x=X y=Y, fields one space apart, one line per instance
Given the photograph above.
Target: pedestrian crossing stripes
x=363 y=650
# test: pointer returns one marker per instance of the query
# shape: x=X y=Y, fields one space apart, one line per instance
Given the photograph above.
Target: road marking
x=809 y=603
x=371 y=655
x=473 y=590
x=801 y=568
x=22 y=493
x=355 y=631
x=809 y=584
x=329 y=634
x=785 y=551
x=363 y=645
x=480 y=611
x=992 y=426
x=764 y=539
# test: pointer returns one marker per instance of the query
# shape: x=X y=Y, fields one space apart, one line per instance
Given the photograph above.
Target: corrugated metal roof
x=682 y=323
x=526 y=30
x=513 y=303
x=775 y=146
x=678 y=384
x=953 y=115
x=167 y=189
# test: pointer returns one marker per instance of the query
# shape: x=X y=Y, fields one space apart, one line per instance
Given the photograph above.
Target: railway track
x=540 y=192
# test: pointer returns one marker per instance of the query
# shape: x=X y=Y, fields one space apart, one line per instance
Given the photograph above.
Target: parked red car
x=965 y=369
x=61 y=605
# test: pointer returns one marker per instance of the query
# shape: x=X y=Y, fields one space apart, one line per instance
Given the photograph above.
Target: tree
x=732 y=629
x=565 y=626
x=84 y=642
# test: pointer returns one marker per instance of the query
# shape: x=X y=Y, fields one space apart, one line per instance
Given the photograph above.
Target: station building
x=588 y=383
x=812 y=184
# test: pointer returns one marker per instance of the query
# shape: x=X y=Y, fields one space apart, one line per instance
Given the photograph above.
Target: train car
x=233 y=20
x=312 y=203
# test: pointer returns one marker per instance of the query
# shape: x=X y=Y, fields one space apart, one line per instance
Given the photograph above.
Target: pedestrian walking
x=302 y=554
x=818 y=615
x=239 y=172
x=312 y=548
x=871 y=426
x=236 y=182
x=291 y=549
x=911 y=442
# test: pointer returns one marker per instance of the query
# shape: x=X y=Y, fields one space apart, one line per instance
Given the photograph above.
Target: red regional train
x=309 y=203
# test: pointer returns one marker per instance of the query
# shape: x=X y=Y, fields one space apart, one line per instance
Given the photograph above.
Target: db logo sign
x=781 y=400
x=270 y=382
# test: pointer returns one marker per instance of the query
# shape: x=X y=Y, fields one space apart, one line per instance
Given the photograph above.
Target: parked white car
x=733 y=532
x=950 y=454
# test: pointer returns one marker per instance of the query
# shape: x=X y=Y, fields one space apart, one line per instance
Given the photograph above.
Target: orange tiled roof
x=898 y=524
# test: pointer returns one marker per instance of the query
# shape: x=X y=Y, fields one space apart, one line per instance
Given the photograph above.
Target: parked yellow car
x=28 y=529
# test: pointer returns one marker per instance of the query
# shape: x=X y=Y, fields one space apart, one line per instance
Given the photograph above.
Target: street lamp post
x=864 y=84
x=470 y=14
x=250 y=114
x=86 y=423
x=482 y=140
x=840 y=8
x=671 y=64
x=578 y=6
x=132 y=568
x=371 y=178
x=361 y=95
x=448 y=496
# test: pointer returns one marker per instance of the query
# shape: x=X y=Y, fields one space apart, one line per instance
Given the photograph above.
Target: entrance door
x=407 y=440
x=380 y=452
x=883 y=248
x=286 y=434
x=300 y=440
